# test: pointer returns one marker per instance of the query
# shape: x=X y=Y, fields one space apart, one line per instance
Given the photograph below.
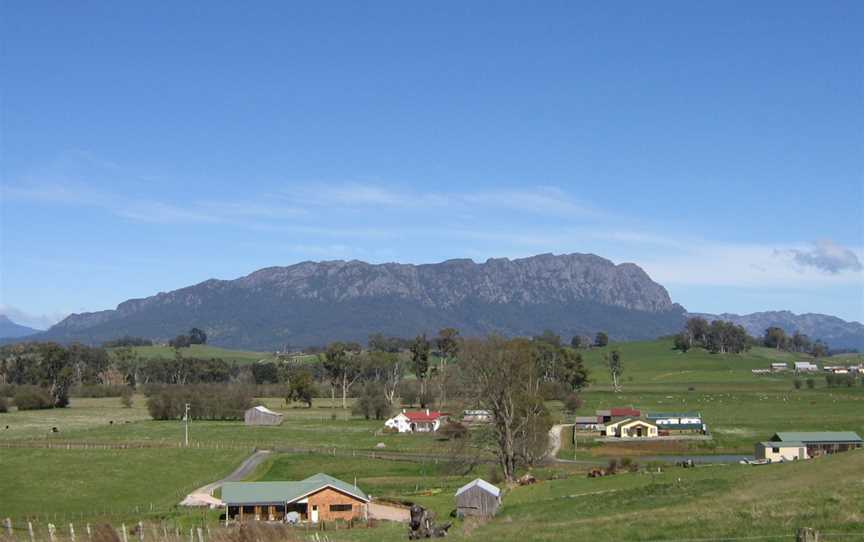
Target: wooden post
x=51 y=532
x=8 y=523
x=123 y=532
x=200 y=535
x=71 y=533
x=30 y=530
x=191 y=535
x=806 y=534
x=89 y=533
x=141 y=531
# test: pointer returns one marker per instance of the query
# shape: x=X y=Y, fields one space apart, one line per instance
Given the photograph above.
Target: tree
x=602 y=339
x=800 y=342
x=420 y=363
x=372 y=403
x=697 y=330
x=503 y=374
x=180 y=341
x=819 y=349
x=197 y=336
x=682 y=342
x=342 y=369
x=576 y=342
x=301 y=387
x=775 y=337
x=126 y=397
x=447 y=344
x=572 y=370
x=616 y=368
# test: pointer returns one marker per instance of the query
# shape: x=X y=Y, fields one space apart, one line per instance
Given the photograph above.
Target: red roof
x=625 y=411
x=423 y=415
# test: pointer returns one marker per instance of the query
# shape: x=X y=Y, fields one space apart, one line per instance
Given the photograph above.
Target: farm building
x=805 y=367
x=317 y=498
x=587 y=423
x=631 y=428
x=779 y=367
x=476 y=416
x=261 y=415
x=822 y=442
x=477 y=498
x=423 y=421
x=686 y=422
x=781 y=451
x=618 y=412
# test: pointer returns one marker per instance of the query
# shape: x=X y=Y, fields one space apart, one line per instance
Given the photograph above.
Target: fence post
x=8 y=523
x=71 y=533
x=89 y=533
x=200 y=535
x=123 y=532
x=806 y=534
x=51 y=532
x=30 y=530
x=141 y=531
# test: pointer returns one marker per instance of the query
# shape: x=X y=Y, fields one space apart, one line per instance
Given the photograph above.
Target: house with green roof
x=317 y=498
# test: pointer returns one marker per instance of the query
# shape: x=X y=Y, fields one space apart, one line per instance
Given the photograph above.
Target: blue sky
x=146 y=147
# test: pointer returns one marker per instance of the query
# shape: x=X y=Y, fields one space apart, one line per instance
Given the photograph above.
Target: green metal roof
x=284 y=492
x=783 y=444
x=817 y=436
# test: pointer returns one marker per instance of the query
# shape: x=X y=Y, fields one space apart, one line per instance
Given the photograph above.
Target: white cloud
x=827 y=256
x=36 y=321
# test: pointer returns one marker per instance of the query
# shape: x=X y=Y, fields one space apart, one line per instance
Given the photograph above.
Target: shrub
x=98 y=390
x=372 y=402
x=552 y=390
x=613 y=466
x=811 y=383
x=572 y=403
x=32 y=398
x=4 y=406
x=409 y=390
x=453 y=430
x=126 y=397
x=797 y=383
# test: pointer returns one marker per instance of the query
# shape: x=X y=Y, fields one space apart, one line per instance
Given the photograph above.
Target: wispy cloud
x=827 y=256
x=36 y=321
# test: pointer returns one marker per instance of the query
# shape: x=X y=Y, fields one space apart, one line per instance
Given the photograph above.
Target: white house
x=476 y=416
x=805 y=367
x=422 y=421
x=631 y=428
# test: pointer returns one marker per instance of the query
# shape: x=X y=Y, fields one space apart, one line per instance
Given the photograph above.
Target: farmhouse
x=317 y=498
x=617 y=412
x=631 y=428
x=423 y=421
x=477 y=498
x=822 y=442
x=261 y=415
x=781 y=451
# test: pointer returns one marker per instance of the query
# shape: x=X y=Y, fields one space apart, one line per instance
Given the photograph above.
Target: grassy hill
x=204 y=351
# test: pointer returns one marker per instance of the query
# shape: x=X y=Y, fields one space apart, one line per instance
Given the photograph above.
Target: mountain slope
x=316 y=302
x=11 y=330
x=834 y=331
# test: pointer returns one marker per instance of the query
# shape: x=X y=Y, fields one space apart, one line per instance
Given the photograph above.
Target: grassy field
x=65 y=485
x=203 y=351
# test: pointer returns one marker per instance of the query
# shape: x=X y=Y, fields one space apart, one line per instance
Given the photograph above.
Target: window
x=340 y=507
x=775 y=450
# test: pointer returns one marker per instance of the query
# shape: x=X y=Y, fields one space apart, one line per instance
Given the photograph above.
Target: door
x=314 y=515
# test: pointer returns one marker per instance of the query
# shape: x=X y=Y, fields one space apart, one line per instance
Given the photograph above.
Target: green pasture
x=203 y=351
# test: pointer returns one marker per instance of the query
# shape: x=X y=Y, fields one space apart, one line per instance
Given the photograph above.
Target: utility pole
x=186 y=419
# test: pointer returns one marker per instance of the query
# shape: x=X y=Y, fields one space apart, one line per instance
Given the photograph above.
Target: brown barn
x=317 y=498
x=261 y=415
x=477 y=498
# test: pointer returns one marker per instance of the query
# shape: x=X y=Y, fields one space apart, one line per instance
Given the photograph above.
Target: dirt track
x=203 y=496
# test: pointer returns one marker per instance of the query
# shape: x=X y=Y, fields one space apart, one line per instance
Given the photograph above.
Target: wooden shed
x=477 y=498
x=261 y=415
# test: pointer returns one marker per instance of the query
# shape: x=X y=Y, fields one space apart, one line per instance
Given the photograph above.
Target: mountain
x=11 y=330
x=316 y=302
x=839 y=334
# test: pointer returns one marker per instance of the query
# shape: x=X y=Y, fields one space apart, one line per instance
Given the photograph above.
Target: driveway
x=203 y=496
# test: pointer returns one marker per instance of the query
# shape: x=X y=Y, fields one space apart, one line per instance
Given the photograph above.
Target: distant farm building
x=476 y=416
x=423 y=421
x=477 y=498
x=686 y=422
x=805 y=367
x=587 y=423
x=261 y=415
x=822 y=442
x=632 y=428
x=317 y=498
x=779 y=367
x=781 y=451
x=617 y=412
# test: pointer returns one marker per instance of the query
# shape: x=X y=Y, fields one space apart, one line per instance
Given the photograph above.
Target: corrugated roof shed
x=483 y=484
x=817 y=436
